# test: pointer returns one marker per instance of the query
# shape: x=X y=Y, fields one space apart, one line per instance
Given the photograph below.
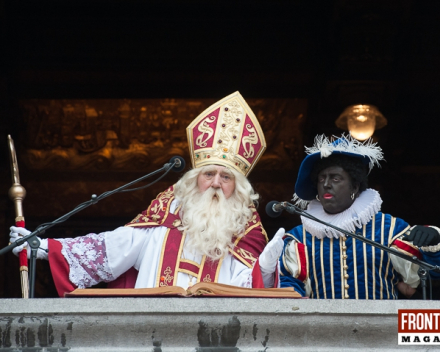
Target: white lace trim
x=87 y=260
x=360 y=213
x=432 y=249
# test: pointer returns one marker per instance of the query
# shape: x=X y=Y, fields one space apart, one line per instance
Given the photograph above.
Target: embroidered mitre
x=227 y=133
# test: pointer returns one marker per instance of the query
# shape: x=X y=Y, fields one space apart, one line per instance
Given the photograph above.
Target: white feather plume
x=300 y=203
x=368 y=148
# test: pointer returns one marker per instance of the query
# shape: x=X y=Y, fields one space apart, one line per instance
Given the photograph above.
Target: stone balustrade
x=201 y=324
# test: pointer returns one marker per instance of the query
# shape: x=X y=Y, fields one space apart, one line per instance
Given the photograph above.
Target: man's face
x=335 y=189
x=217 y=176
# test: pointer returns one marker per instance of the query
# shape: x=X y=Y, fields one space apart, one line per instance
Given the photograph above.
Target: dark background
x=331 y=53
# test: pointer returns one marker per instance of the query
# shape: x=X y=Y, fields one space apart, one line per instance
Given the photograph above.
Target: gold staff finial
x=17 y=191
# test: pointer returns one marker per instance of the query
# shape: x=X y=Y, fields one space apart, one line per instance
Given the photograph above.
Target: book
x=204 y=289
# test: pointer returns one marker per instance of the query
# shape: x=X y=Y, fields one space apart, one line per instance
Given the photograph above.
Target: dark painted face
x=335 y=189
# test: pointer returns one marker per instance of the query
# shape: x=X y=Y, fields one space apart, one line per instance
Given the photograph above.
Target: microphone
x=177 y=163
x=274 y=209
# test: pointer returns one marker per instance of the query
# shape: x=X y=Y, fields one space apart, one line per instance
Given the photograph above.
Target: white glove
x=17 y=232
x=271 y=253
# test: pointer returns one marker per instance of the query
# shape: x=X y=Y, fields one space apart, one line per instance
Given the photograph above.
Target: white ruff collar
x=360 y=213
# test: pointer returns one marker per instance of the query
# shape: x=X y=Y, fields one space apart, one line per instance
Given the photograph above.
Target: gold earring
x=317 y=198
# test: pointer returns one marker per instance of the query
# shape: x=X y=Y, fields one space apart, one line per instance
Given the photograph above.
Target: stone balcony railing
x=201 y=324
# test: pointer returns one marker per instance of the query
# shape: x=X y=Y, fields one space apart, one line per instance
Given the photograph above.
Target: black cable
x=96 y=199
x=152 y=183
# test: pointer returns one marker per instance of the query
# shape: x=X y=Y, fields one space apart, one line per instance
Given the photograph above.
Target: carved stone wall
x=141 y=134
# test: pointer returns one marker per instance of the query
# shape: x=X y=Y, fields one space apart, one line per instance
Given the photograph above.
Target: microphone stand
x=424 y=267
x=34 y=242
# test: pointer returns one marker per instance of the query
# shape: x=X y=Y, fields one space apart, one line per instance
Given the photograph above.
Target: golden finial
x=17 y=192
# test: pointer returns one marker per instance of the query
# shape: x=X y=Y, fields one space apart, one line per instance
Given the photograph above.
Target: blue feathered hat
x=323 y=147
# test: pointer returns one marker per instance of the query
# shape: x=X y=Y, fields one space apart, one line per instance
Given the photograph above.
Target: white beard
x=210 y=221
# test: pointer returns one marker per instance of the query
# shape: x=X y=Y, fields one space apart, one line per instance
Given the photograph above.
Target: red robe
x=247 y=249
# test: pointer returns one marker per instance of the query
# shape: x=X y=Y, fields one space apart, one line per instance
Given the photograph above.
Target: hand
x=271 y=253
x=405 y=289
x=422 y=236
x=17 y=232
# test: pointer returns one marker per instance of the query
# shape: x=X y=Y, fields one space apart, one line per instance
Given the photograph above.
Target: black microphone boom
x=274 y=209
x=177 y=163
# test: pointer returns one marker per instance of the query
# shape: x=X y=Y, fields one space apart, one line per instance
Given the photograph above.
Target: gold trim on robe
x=246 y=248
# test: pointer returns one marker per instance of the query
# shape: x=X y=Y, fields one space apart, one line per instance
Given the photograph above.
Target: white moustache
x=213 y=193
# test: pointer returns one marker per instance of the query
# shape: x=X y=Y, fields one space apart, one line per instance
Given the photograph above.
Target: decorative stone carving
x=141 y=134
